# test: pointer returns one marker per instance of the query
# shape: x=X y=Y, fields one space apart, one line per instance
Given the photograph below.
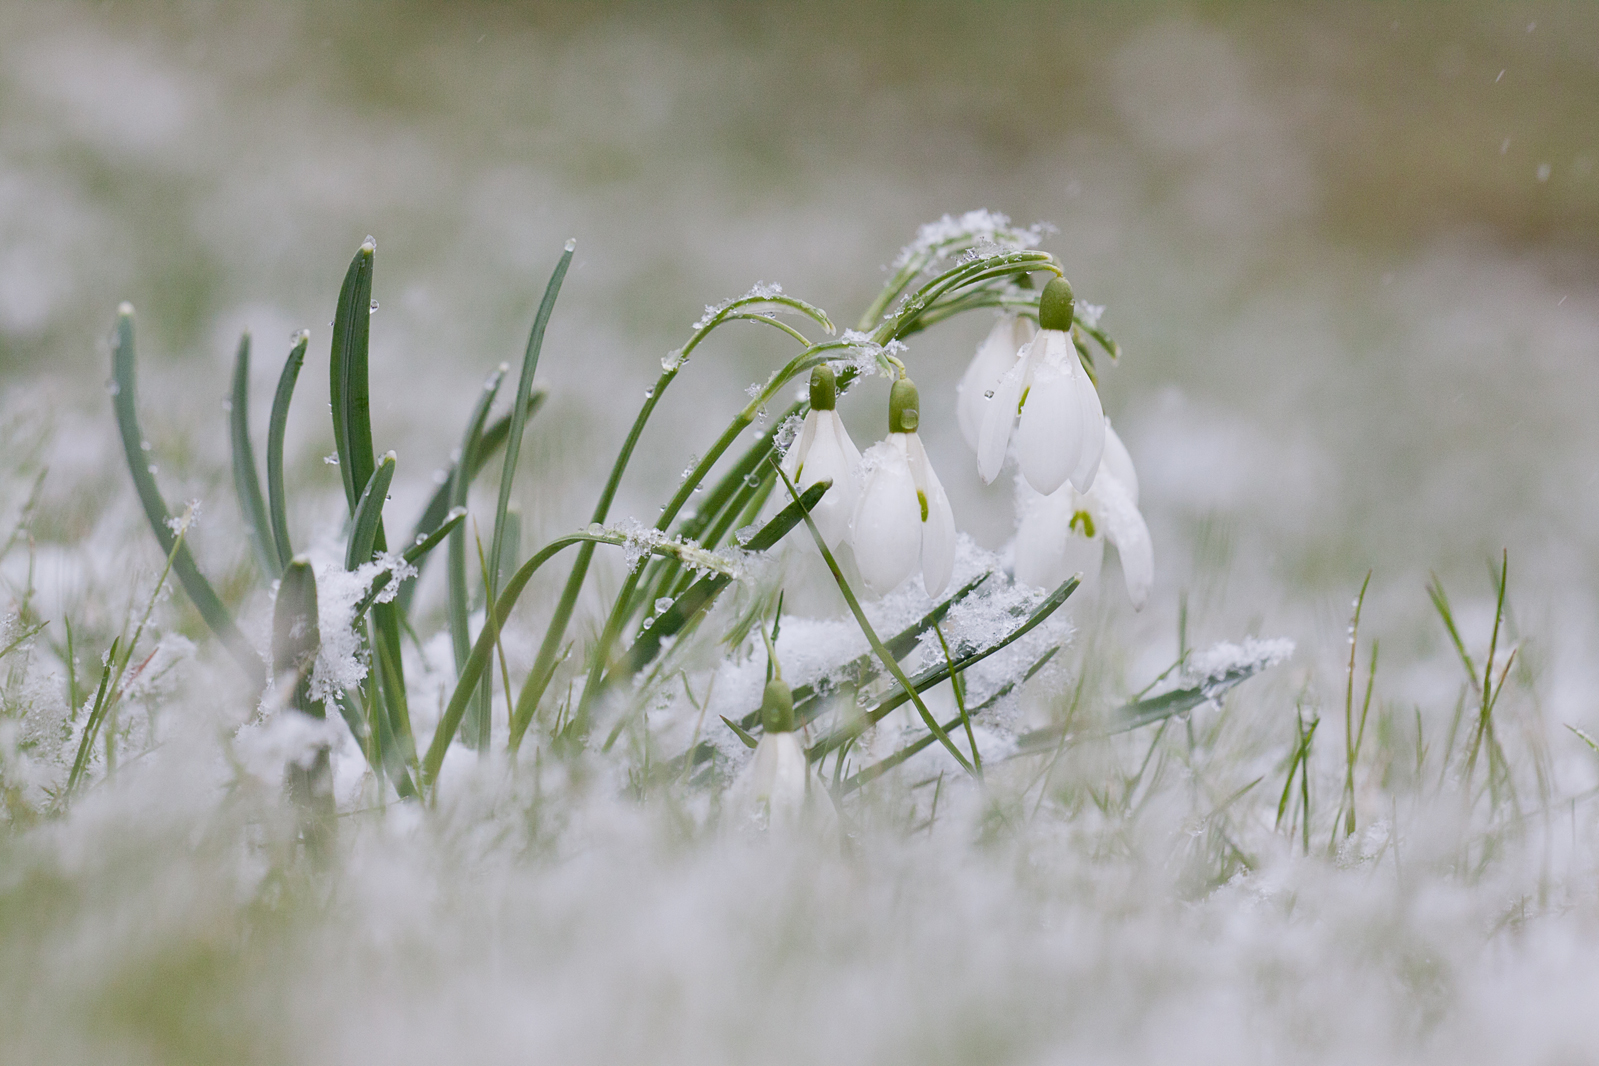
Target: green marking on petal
x=1085 y=520
x=1023 y=401
x=921 y=498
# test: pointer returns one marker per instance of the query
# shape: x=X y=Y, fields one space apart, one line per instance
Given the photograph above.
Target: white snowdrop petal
x=1124 y=527
x=794 y=458
x=887 y=531
x=1049 y=437
x=1048 y=550
x=828 y=460
x=994 y=357
x=1091 y=417
x=1119 y=463
x=999 y=415
x=938 y=528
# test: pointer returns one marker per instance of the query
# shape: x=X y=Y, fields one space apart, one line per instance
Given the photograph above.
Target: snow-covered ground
x=1348 y=256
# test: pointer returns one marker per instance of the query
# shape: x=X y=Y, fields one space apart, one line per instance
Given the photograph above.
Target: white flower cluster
x=1027 y=395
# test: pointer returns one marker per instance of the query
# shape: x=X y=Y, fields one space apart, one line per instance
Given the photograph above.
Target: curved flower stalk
x=995 y=356
x=1064 y=532
x=823 y=451
x=903 y=518
x=1060 y=431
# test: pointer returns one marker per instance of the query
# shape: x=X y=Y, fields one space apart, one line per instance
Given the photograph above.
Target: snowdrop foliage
x=903 y=519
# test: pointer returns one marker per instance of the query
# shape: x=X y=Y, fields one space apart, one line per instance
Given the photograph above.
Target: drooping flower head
x=823 y=451
x=996 y=355
x=903 y=518
x=1064 y=533
x=1048 y=403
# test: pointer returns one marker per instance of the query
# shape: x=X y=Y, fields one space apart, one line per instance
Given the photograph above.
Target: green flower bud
x=824 y=388
x=903 y=404
x=1056 y=306
x=777 y=707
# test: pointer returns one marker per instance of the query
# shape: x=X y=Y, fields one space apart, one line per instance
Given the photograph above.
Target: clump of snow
x=980 y=227
x=1224 y=665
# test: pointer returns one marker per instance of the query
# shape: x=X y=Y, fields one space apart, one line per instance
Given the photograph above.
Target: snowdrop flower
x=994 y=357
x=775 y=786
x=903 y=517
x=1061 y=434
x=823 y=451
x=1064 y=532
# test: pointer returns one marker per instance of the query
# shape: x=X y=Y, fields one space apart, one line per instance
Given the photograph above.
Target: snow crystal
x=340 y=662
x=759 y=291
x=785 y=432
x=1088 y=314
x=1219 y=668
x=979 y=227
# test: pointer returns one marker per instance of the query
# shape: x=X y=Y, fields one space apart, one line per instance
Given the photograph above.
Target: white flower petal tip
x=938 y=520
x=1065 y=532
x=903 y=519
x=996 y=355
x=774 y=791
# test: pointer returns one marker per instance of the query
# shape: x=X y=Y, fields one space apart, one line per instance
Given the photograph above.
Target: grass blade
x=369 y=515
x=124 y=400
x=246 y=482
x=931 y=676
x=483 y=647
x=700 y=595
x=413 y=555
x=459 y=596
x=524 y=390
x=349 y=387
x=277 y=502
x=296 y=640
x=481 y=451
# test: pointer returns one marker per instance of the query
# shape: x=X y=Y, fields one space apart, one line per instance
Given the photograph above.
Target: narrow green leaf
x=481 y=451
x=199 y=590
x=483 y=648
x=296 y=637
x=703 y=592
x=348 y=384
x=524 y=390
x=458 y=594
x=413 y=555
x=28 y=634
x=749 y=741
x=246 y=482
x=277 y=501
x=931 y=676
x=369 y=515
x=873 y=772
